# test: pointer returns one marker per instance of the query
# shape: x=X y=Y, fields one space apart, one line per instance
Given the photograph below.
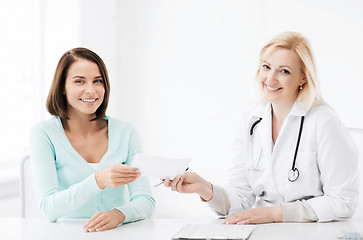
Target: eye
x=265 y=66
x=285 y=71
x=98 y=81
x=78 y=81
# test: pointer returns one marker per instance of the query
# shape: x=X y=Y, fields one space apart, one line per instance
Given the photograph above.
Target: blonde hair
x=310 y=94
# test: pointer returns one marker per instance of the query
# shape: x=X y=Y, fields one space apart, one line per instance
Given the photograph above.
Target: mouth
x=88 y=100
x=273 y=89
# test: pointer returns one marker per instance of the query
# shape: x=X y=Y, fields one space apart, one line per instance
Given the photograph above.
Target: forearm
x=337 y=159
x=329 y=208
x=298 y=211
x=56 y=204
x=140 y=207
x=220 y=201
x=205 y=190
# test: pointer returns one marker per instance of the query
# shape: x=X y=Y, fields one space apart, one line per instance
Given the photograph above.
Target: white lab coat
x=327 y=161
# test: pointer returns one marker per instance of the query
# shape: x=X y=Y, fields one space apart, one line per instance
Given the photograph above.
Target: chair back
x=29 y=204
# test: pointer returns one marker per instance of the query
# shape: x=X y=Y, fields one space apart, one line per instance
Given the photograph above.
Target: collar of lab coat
x=265 y=111
x=297 y=110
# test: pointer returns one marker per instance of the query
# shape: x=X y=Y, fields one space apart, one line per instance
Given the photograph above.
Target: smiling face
x=280 y=75
x=84 y=88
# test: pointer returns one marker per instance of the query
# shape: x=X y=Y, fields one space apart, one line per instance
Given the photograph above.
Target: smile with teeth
x=271 y=88
x=89 y=100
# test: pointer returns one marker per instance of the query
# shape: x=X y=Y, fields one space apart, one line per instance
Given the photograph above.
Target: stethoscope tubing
x=254 y=125
x=298 y=142
x=293 y=173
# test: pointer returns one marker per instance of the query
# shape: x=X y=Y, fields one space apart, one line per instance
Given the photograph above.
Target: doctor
x=294 y=159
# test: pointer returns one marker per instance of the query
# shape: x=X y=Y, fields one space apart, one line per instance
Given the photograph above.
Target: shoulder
x=120 y=128
x=122 y=133
x=249 y=115
x=255 y=112
x=116 y=124
x=326 y=120
x=322 y=113
x=48 y=126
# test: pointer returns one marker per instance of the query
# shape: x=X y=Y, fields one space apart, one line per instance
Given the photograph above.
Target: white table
x=163 y=228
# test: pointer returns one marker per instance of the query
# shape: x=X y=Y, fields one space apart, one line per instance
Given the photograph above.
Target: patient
x=81 y=157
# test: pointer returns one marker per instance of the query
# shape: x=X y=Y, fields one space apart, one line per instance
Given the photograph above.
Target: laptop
x=215 y=231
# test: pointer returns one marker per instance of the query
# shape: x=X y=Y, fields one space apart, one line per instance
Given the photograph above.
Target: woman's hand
x=116 y=175
x=102 y=221
x=256 y=216
x=191 y=182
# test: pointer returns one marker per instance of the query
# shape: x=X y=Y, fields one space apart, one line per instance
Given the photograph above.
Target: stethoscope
x=293 y=173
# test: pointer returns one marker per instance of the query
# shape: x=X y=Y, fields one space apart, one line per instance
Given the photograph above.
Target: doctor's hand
x=116 y=175
x=102 y=221
x=191 y=182
x=256 y=216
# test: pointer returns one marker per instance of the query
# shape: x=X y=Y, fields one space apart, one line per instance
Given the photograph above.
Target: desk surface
x=163 y=228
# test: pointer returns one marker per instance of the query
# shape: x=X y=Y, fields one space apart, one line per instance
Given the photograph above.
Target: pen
x=163 y=180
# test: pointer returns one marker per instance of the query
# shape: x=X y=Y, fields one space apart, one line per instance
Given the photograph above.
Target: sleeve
x=142 y=203
x=298 y=211
x=219 y=202
x=239 y=191
x=337 y=159
x=55 y=203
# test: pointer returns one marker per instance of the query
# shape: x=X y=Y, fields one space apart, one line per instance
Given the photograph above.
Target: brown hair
x=57 y=100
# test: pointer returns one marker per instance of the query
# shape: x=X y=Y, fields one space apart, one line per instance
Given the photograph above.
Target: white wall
x=185 y=75
x=187 y=68
x=182 y=71
x=60 y=31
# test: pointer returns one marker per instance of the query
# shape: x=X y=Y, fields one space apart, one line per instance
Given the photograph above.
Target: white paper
x=215 y=231
x=152 y=166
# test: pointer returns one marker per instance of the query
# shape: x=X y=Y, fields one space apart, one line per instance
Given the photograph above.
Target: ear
x=303 y=80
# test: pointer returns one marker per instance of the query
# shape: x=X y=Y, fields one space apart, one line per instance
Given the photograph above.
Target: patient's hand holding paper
x=162 y=168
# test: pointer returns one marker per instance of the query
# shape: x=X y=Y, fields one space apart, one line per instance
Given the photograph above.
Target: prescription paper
x=152 y=166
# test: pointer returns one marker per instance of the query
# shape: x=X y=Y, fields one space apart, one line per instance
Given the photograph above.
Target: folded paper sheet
x=152 y=166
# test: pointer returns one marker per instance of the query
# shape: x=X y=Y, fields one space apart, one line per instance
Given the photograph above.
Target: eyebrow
x=282 y=66
x=82 y=77
x=78 y=77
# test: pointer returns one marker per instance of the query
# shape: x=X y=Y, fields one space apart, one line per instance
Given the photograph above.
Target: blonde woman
x=294 y=159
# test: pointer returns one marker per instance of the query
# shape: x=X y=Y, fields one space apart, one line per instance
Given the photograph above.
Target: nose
x=89 y=88
x=271 y=76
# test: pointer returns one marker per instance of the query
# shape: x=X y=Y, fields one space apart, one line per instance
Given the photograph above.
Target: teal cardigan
x=65 y=183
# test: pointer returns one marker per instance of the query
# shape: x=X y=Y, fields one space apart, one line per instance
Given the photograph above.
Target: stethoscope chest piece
x=293 y=175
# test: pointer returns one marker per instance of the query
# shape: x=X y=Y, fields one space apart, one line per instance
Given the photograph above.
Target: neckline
x=94 y=166
x=75 y=151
